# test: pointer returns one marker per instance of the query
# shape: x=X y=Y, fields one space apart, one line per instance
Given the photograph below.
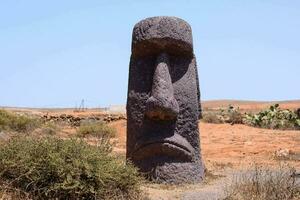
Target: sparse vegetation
x=274 y=118
x=51 y=168
x=18 y=123
x=212 y=116
x=264 y=184
x=96 y=129
x=286 y=155
x=50 y=128
x=230 y=115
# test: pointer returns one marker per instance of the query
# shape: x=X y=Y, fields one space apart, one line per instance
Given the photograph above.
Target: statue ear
x=198 y=92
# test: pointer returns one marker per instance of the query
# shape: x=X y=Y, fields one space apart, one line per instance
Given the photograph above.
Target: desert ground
x=226 y=149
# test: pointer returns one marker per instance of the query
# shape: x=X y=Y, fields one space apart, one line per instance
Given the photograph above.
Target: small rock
x=282 y=153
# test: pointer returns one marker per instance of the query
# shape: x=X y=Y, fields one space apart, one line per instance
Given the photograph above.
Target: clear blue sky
x=55 y=53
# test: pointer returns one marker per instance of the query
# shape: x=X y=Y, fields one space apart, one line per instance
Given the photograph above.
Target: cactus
x=274 y=118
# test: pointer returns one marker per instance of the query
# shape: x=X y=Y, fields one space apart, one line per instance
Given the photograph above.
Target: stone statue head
x=163 y=103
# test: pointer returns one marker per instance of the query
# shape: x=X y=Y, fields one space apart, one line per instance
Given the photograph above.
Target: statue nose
x=162 y=105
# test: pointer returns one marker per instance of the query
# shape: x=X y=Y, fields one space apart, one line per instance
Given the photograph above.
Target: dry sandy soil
x=235 y=146
x=226 y=149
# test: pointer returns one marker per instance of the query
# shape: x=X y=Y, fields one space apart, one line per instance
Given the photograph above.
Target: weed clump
x=264 y=184
x=50 y=128
x=272 y=118
x=213 y=117
x=19 y=123
x=96 y=129
x=52 y=168
x=230 y=115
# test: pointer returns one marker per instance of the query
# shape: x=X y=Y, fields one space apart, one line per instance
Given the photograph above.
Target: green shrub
x=274 y=118
x=96 y=129
x=264 y=184
x=51 y=168
x=19 y=123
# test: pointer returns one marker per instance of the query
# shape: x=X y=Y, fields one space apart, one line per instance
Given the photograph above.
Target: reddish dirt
x=120 y=126
x=240 y=145
x=235 y=146
x=223 y=145
x=225 y=148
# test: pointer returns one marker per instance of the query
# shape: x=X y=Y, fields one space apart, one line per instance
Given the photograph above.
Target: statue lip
x=175 y=146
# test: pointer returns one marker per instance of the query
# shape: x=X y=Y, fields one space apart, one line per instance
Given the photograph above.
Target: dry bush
x=51 y=168
x=230 y=115
x=212 y=117
x=264 y=184
x=10 y=193
x=50 y=128
x=18 y=123
x=96 y=129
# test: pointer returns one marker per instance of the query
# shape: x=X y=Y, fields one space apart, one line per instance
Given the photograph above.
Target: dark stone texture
x=164 y=33
x=298 y=112
x=163 y=104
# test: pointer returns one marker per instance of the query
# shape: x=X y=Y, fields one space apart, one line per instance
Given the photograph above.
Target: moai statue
x=163 y=104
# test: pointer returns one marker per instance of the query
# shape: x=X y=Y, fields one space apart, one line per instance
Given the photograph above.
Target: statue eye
x=178 y=67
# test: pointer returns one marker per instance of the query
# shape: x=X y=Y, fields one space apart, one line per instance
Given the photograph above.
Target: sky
x=56 y=53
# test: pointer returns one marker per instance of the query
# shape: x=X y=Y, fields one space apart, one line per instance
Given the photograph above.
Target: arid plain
x=226 y=148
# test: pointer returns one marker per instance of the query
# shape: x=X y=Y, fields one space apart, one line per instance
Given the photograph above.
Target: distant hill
x=211 y=104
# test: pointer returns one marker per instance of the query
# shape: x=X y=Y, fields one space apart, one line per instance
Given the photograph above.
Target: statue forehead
x=159 y=33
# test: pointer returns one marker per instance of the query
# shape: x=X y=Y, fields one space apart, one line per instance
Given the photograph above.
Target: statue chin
x=175 y=148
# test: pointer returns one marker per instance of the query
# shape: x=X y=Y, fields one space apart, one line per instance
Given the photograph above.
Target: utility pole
x=81 y=107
